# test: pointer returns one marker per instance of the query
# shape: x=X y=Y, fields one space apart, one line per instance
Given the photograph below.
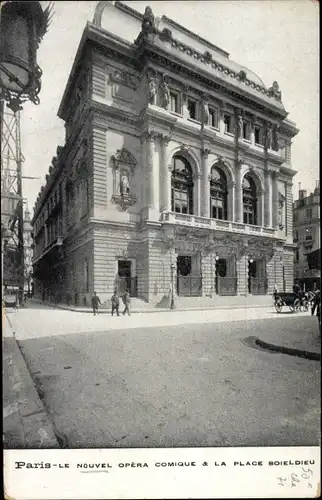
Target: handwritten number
x=295 y=478
x=307 y=471
x=281 y=479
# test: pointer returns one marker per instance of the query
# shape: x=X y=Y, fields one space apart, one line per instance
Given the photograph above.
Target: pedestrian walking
x=126 y=301
x=115 y=303
x=95 y=302
x=317 y=307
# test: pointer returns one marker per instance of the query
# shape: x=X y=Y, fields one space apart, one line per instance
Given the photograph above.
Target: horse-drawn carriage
x=291 y=300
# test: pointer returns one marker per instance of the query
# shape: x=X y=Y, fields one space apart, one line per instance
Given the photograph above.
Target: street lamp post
x=22 y=27
x=172 y=268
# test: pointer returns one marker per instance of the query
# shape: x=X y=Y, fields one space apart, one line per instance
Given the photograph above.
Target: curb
x=27 y=423
x=158 y=310
x=315 y=356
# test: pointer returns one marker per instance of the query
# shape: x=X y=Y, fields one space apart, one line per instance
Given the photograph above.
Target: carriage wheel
x=278 y=306
x=306 y=305
x=297 y=305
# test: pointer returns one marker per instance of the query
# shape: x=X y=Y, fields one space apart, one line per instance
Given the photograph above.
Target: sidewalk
x=25 y=421
x=139 y=306
x=305 y=343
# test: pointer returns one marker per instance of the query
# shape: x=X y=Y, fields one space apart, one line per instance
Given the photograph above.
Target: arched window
x=182 y=186
x=249 y=200
x=218 y=194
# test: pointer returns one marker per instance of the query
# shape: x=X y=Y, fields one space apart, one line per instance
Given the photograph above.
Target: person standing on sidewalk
x=95 y=302
x=126 y=301
x=115 y=303
x=317 y=306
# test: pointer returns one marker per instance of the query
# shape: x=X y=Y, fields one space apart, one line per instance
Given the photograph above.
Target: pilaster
x=238 y=194
x=205 y=212
x=166 y=175
x=197 y=193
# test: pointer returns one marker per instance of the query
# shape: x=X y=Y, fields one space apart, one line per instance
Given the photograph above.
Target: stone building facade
x=307 y=238
x=176 y=173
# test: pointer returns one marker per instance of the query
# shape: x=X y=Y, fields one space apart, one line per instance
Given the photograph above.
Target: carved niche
x=280 y=211
x=123 y=169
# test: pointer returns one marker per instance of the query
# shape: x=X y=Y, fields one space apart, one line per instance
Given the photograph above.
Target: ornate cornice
x=178 y=66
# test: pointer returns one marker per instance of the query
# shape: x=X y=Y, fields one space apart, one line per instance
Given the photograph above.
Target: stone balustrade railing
x=223 y=225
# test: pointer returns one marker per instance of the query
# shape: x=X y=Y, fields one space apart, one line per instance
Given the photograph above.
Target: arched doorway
x=181 y=186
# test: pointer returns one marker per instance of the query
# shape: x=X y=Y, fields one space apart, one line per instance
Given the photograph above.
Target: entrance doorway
x=125 y=280
x=189 y=281
x=225 y=282
x=257 y=283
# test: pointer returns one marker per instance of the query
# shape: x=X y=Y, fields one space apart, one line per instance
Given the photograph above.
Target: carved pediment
x=123 y=156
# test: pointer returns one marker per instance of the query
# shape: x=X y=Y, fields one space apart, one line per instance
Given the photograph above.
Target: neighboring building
x=176 y=159
x=28 y=252
x=307 y=237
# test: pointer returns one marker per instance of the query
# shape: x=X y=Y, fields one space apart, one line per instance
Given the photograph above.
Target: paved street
x=172 y=379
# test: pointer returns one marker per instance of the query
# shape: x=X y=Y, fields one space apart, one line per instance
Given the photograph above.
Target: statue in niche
x=281 y=202
x=240 y=126
x=148 y=22
x=274 y=91
x=275 y=139
x=165 y=94
x=205 y=111
x=152 y=89
x=124 y=184
x=268 y=137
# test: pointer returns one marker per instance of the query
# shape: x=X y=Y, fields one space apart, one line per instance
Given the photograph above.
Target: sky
x=278 y=40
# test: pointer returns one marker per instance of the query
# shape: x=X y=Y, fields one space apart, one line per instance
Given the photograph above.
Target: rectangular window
x=308 y=234
x=246 y=130
x=192 y=108
x=174 y=102
x=308 y=213
x=228 y=121
x=297 y=255
x=213 y=118
x=259 y=136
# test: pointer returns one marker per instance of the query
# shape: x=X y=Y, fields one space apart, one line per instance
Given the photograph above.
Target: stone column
x=238 y=195
x=274 y=200
x=196 y=193
x=267 y=211
x=231 y=200
x=152 y=178
x=165 y=176
x=261 y=209
x=205 y=212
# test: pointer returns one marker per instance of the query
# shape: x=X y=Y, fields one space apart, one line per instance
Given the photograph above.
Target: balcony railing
x=225 y=225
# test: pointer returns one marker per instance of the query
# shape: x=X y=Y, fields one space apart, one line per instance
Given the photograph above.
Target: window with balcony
x=218 y=194
x=249 y=200
x=174 y=102
x=308 y=234
x=228 y=121
x=259 y=135
x=213 y=117
x=182 y=186
x=192 y=108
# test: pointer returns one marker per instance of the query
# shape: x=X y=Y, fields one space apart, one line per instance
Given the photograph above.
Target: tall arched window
x=249 y=200
x=218 y=194
x=182 y=186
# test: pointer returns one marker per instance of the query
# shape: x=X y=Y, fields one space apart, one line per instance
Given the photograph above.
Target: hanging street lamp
x=23 y=24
